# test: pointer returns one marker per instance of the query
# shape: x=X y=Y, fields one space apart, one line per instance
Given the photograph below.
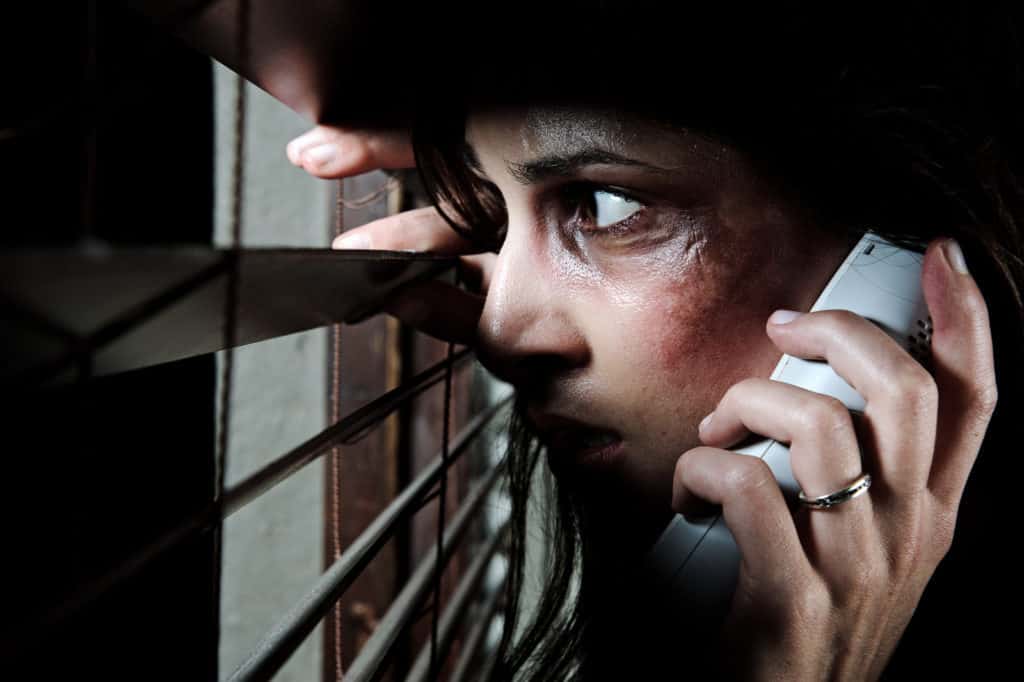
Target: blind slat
x=368 y=664
x=456 y=608
x=475 y=638
x=352 y=426
x=285 y=637
x=122 y=309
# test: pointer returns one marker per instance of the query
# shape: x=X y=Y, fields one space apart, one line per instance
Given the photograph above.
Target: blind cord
x=439 y=564
x=390 y=185
x=339 y=227
x=230 y=312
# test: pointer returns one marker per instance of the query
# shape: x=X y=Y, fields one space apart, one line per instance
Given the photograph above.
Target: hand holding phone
x=840 y=582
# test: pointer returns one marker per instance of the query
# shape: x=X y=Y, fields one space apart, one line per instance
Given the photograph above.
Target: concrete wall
x=273 y=549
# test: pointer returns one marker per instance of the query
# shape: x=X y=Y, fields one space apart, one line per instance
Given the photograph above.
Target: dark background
x=107 y=136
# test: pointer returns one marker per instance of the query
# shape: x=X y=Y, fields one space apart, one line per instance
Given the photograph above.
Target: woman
x=641 y=246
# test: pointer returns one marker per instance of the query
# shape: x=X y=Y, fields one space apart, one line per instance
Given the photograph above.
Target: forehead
x=515 y=134
x=547 y=129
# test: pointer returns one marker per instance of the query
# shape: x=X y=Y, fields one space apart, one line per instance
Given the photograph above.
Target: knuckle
x=841 y=323
x=908 y=557
x=943 y=532
x=861 y=585
x=914 y=548
x=731 y=394
x=748 y=476
x=984 y=399
x=685 y=465
x=927 y=391
x=359 y=154
x=679 y=474
x=381 y=145
x=844 y=319
x=734 y=395
x=812 y=603
x=826 y=412
x=943 y=540
x=914 y=388
x=825 y=415
x=684 y=501
x=870 y=578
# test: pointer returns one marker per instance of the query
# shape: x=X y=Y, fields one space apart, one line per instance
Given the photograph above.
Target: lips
x=575 y=438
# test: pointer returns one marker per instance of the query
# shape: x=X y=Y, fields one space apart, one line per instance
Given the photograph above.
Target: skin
x=693 y=274
x=647 y=331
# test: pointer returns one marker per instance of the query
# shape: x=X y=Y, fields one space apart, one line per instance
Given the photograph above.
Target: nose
x=529 y=329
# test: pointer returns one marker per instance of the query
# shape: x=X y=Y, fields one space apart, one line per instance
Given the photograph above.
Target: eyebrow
x=559 y=165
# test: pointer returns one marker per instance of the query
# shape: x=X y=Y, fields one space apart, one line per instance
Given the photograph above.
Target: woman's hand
x=439 y=309
x=826 y=594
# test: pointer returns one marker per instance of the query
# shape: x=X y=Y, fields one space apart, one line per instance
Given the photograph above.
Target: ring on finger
x=857 y=487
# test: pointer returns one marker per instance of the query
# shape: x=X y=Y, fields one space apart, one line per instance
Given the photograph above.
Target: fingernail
x=704 y=423
x=955 y=256
x=321 y=155
x=289 y=151
x=782 y=316
x=295 y=148
x=351 y=240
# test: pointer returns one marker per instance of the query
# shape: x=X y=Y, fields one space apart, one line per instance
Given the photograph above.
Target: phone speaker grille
x=919 y=344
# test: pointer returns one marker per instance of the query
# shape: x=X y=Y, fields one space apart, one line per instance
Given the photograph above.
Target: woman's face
x=632 y=289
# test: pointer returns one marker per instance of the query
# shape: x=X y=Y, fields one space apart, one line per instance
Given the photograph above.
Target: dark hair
x=908 y=123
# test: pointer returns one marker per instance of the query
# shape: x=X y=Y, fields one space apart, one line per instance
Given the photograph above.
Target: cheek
x=685 y=333
x=703 y=308
x=704 y=337
x=707 y=328
x=714 y=325
x=681 y=331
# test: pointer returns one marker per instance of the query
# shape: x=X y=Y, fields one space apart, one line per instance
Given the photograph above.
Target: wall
x=273 y=548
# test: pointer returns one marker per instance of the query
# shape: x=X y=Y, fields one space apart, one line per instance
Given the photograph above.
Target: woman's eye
x=600 y=209
x=610 y=208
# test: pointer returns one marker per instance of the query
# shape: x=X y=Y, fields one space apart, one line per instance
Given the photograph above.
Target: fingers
x=477 y=270
x=818 y=428
x=425 y=231
x=436 y=308
x=752 y=506
x=824 y=455
x=441 y=310
x=444 y=311
x=964 y=370
x=901 y=396
x=329 y=152
x=421 y=229
x=925 y=429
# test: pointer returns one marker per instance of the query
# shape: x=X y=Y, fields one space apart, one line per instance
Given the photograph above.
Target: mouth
x=577 y=440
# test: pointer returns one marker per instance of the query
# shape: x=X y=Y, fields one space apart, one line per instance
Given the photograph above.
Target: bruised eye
x=599 y=208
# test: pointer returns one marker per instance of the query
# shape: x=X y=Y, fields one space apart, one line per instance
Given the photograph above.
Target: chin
x=587 y=466
x=609 y=479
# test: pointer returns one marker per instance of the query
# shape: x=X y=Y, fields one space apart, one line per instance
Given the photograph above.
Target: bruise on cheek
x=679 y=324
x=709 y=331
x=709 y=325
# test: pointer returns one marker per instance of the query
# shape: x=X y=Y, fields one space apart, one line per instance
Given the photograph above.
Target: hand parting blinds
x=81 y=315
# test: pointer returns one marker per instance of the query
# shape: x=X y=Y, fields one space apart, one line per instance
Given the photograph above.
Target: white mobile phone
x=695 y=562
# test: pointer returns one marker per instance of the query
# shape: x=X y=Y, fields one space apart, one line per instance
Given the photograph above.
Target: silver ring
x=858 y=487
